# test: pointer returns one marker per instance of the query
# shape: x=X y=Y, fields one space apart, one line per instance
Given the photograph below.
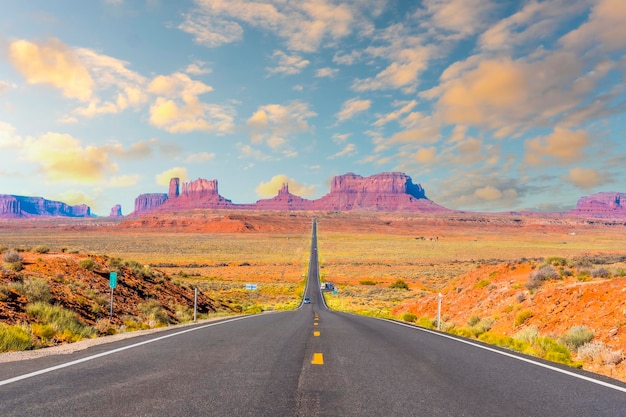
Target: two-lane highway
x=308 y=362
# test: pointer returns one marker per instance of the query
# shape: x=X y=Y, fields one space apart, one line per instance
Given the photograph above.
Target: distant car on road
x=327 y=286
x=307 y=300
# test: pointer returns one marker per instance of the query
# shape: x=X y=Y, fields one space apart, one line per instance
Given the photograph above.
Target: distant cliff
x=601 y=205
x=15 y=206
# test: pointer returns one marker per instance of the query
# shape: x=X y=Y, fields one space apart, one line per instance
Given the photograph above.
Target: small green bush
x=522 y=317
x=66 y=324
x=425 y=322
x=367 y=282
x=34 y=289
x=482 y=284
x=14 y=338
x=41 y=249
x=87 y=263
x=600 y=272
x=577 y=336
x=154 y=312
x=12 y=256
x=545 y=273
x=400 y=285
x=409 y=317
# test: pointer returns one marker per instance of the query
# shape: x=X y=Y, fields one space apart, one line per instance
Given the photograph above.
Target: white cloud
x=304 y=25
x=404 y=107
x=62 y=157
x=352 y=107
x=586 y=178
x=287 y=64
x=274 y=123
x=199 y=158
x=349 y=149
x=326 y=72
x=163 y=179
x=562 y=146
x=456 y=19
x=271 y=187
x=197 y=68
x=408 y=56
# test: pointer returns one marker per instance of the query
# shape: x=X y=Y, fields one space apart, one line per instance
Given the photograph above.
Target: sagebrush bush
x=600 y=272
x=154 y=312
x=545 y=273
x=598 y=352
x=34 y=289
x=41 y=249
x=409 y=317
x=12 y=256
x=577 y=336
x=528 y=334
x=14 y=338
x=522 y=317
x=87 y=263
x=66 y=324
x=400 y=284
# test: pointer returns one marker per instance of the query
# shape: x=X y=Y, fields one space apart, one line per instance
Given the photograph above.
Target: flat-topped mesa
x=603 y=204
x=14 y=206
x=148 y=202
x=388 y=191
x=116 y=211
x=383 y=183
x=195 y=194
x=283 y=201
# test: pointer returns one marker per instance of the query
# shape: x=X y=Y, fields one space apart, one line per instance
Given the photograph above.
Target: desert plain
x=553 y=287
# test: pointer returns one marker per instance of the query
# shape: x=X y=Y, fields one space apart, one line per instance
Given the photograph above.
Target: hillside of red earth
x=589 y=292
x=144 y=297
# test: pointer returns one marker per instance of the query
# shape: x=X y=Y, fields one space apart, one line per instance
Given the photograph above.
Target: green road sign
x=113 y=279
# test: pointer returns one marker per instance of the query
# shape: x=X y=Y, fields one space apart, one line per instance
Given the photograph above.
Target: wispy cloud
x=352 y=107
x=274 y=123
x=287 y=64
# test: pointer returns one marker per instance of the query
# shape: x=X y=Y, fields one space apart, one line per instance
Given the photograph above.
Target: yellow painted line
x=318 y=359
x=316 y=333
x=314 y=324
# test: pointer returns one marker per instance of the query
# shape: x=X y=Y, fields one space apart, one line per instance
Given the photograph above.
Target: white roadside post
x=439 y=297
x=195 y=305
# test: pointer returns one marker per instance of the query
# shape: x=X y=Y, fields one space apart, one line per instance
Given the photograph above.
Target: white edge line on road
x=110 y=352
x=511 y=355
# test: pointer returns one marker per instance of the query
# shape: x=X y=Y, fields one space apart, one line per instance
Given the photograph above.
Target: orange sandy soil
x=556 y=306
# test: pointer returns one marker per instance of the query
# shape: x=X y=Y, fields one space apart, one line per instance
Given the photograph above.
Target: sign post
x=195 y=305
x=112 y=285
x=439 y=297
x=251 y=287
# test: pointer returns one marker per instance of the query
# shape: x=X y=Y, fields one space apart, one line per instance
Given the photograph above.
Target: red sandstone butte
x=16 y=206
x=602 y=205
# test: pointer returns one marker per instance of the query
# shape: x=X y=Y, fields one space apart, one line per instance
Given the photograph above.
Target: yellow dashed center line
x=318 y=359
x=314 y=324
x=316 y=333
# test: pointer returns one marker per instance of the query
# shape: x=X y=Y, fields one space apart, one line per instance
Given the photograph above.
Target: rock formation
x=116 y=211
x=389 y=191
x=148 y=202
x=15 y=206
x=283 y=201
x=603 y=205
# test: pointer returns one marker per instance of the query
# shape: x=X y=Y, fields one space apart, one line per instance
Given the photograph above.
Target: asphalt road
x=309 y=362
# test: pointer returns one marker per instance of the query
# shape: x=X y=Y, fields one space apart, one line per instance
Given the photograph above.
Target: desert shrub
x=620 y=272
x=409 y=317
x=600 y=272
x=66 y=324
x=12 y=256
x=545 y=273
x=183 y=313
x=41 y=249
x=43 y=331
x=139 y=269
x=400 y=285
x=482 y=284
x=566 y=272
x=598 y=352
x=34 y=289
x=527 y=335
x=3 y=248
x=14 y=338
x=367 y=282
x=154 y=312
x=425 y=322
x=576 y=337
x=522 y=317
x=473 y=321
x=87 y=263
x=556 y=261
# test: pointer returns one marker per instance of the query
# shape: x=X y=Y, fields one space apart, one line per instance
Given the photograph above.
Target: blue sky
x=490 y=105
